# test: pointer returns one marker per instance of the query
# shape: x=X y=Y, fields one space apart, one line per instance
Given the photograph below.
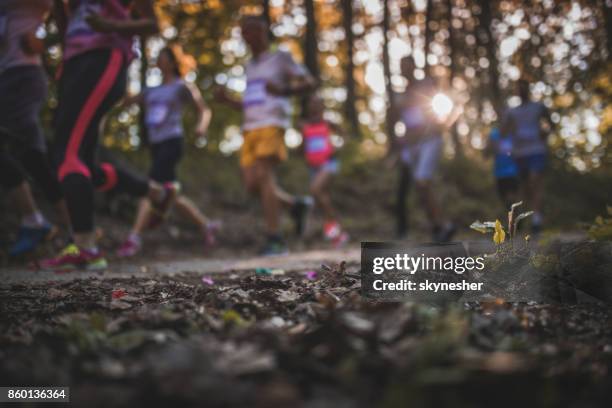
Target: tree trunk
x=453 y=72
x=310 y=47
x=493 y=74
x=428 y=34
x=310 y=41
x=144 y=67
x=389 y=125
x=266 y=15
x=351 y=111
x=608 y=18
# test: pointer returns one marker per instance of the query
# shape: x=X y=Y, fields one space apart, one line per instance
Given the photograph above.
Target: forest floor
x=288 y=331
x=181 y=326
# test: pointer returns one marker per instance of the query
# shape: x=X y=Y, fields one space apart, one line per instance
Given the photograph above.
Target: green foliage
x=601 y=229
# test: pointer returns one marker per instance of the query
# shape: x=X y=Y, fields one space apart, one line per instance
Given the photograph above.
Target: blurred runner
x=34 y=227
x=163 y=106
x=505 y=170
x=321 y=158
x=272 y=78
x=529 y=148
x=23 y=89
x=424 y=112
x=97 y=50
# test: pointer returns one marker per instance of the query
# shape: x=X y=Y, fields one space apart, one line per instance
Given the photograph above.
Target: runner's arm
x=299 y=80
x=145 y=24
x=546 y=115
x=221 y=95
x=203 y=111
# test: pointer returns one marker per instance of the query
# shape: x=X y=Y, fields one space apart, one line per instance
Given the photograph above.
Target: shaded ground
x=295 y=338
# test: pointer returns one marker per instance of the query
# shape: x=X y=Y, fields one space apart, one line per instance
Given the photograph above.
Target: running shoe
x=274 y=247
x=160 y=209
x=29 y=238
x=332 y=231
x=73 y=257
x=130 y=247
x=299 y=213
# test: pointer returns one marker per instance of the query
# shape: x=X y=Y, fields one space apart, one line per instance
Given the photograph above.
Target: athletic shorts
x=263 y=143
x=166 y=156
x=534 y=163
x=331 y=166
x=423 y=158
x=23 y=91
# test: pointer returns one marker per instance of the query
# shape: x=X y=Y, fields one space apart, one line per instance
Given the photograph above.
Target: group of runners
x=97 y=45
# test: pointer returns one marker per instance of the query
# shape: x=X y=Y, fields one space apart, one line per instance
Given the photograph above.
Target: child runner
x=420 y=148
x=23 y=89
x=163 y=106
x=321 y=158
x=272 y=78
x=504 y=167
x=524 y=125
x=97 y=50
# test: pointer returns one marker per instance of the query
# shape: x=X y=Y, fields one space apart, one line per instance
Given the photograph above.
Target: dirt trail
x=293 y=261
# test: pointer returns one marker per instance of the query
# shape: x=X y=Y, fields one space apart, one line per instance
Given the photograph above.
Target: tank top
x=164 y=110
x=19 y=18
x=317 y=143
x=81 y=38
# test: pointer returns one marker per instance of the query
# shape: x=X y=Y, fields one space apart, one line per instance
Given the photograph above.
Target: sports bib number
x=255 y=93
x=528 y=132
x=78 y=24
x=156 y=114
x=316 y=144
x=413 y=117
x=505 y=146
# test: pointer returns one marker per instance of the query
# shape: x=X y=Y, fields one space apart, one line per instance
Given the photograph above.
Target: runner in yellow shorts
x=272 y=78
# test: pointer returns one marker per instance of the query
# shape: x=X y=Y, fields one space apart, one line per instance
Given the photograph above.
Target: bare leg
x=318 y=188
x=142 y=216
x=190 y=211
x=268 y=194
x=286 y=199
x=428 y=201
x=536 y=184
x=156 y=191
x=23 y=199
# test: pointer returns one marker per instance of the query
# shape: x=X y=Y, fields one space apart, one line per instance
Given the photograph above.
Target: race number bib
x=255 y=93
x=529 y=132
x=316 y=144
x=156 y=114
x=413 y=117
x=78 y=24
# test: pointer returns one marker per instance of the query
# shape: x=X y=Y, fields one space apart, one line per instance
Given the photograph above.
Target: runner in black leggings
x=23 y=89
x=98 y=48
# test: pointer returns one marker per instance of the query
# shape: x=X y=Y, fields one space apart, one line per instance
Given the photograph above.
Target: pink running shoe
x=73 y=257
x=160 y=209
x=130 y=247
x=332 y=231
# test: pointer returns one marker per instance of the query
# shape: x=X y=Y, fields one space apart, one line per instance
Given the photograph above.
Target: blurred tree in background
x=478 y=47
